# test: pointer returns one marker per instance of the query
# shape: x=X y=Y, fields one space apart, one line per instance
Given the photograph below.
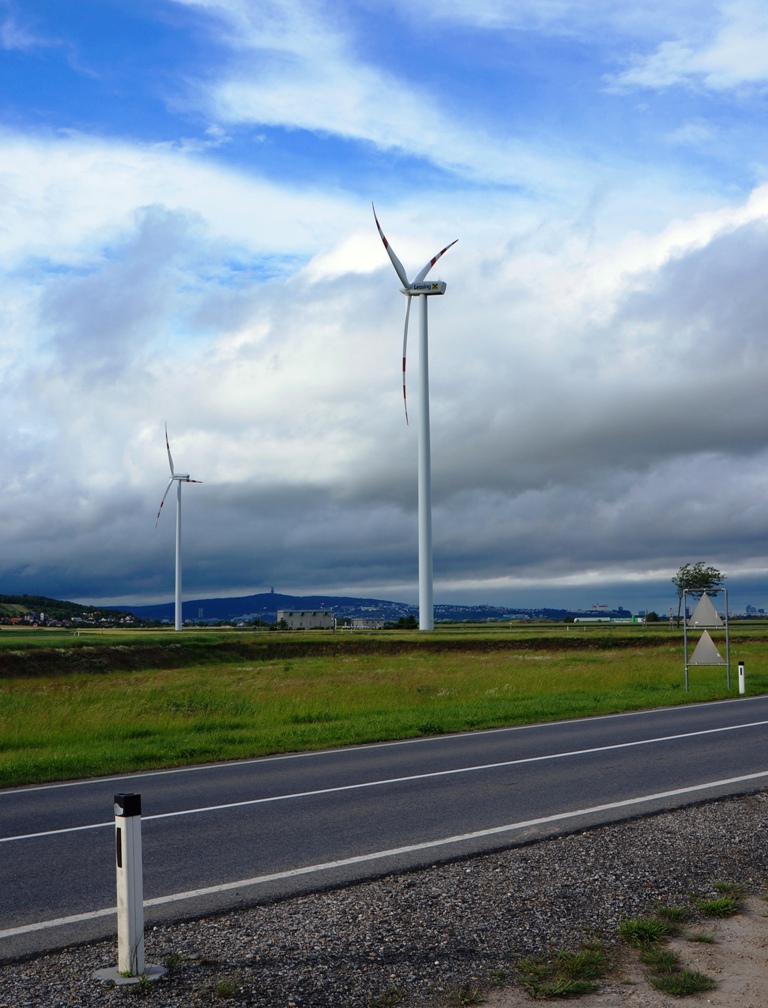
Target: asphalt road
x=224 y=835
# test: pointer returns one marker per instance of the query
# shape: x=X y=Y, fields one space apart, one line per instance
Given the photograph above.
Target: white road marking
x=226 y=764
x=394 y=780
x=394 y=852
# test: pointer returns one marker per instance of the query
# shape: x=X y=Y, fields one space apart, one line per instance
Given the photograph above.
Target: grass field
x=213 y=696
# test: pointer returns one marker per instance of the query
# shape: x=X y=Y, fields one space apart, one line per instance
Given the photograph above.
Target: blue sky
x=186 y=235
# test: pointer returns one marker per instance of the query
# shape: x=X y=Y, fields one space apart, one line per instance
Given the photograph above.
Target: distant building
x=366 y=623
x=307 y=619
x=609 y=619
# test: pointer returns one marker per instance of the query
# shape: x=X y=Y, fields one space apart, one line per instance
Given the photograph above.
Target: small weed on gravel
x=665 y=972
x=660 y=959
x=466 y=995
x=567 y=974
x=682 y=982
x=729 y=889
x=725 y=905
x=705 y=937
x=226 y=986
x=143 y=988
x=391 y=996
x=675 y=914
x=640 y=931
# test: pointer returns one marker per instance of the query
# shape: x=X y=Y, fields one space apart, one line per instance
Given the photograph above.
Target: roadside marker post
x=130 y=885
x=131 y=967
x=742 y=684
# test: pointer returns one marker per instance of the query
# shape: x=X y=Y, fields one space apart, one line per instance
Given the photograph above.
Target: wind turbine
x=178 y=479
x=421 y=288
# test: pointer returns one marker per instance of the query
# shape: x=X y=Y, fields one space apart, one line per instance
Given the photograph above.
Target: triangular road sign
x=706 y=653
x=705 y=614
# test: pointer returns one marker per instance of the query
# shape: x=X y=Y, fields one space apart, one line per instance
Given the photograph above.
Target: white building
x=307 y=619
x=367 y=623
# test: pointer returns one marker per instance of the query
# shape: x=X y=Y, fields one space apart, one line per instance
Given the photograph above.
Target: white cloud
x=728 y=52
x=15 y=33
x=66 y=193
x=696 y=132
x=715 y=44
x=293 y=67
x=570 y=17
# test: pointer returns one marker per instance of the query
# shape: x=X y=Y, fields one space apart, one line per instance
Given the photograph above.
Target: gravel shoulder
x=434 y=936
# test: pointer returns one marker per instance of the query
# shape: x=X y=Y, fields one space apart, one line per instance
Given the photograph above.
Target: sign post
x=705 y=615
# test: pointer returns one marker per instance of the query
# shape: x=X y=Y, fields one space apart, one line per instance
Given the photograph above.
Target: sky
x=186 y=236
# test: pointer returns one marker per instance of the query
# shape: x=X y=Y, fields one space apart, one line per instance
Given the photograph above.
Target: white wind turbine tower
x=422 y=289
x=178 y=479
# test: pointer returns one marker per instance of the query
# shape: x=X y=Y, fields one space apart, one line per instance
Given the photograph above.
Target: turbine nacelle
x=427 y=287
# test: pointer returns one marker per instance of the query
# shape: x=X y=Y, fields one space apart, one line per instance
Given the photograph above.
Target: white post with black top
x=130 y=885
x=131 y=967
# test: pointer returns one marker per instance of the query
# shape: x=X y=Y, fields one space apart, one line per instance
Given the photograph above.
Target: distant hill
x=17 y=605
x=265 y=606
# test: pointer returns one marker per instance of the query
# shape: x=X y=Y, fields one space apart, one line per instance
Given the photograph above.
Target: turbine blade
x=405 y=348
x=170 y=484
x=399 y=268
x=420 y=276
x=168 y=447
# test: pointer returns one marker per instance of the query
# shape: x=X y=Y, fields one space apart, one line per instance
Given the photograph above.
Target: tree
x=404 y=623
x=698 y=580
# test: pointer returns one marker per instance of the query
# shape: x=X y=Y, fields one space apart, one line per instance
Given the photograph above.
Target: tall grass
x=79 y=725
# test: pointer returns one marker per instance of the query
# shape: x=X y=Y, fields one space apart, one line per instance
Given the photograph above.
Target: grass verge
x=99 y=711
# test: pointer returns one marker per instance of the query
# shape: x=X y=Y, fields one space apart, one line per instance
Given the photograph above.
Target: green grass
x=723 y=906
x=703 y=937
x=567 y=974
x=644 y=931
x=391 y=997
x=675 y=914
x=727 y=904
x=665 y=973
x=270 y=693
x=467 y=994
x=682 y=982
x=660 y=959
x=226 y=986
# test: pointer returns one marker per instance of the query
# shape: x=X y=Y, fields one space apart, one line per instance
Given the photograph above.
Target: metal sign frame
x=713 y=592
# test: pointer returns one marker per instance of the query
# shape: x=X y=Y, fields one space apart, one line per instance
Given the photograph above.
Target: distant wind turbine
x=421 y=288
x=178 y=479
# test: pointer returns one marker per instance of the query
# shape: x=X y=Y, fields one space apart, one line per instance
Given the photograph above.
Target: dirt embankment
x=93 y=658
